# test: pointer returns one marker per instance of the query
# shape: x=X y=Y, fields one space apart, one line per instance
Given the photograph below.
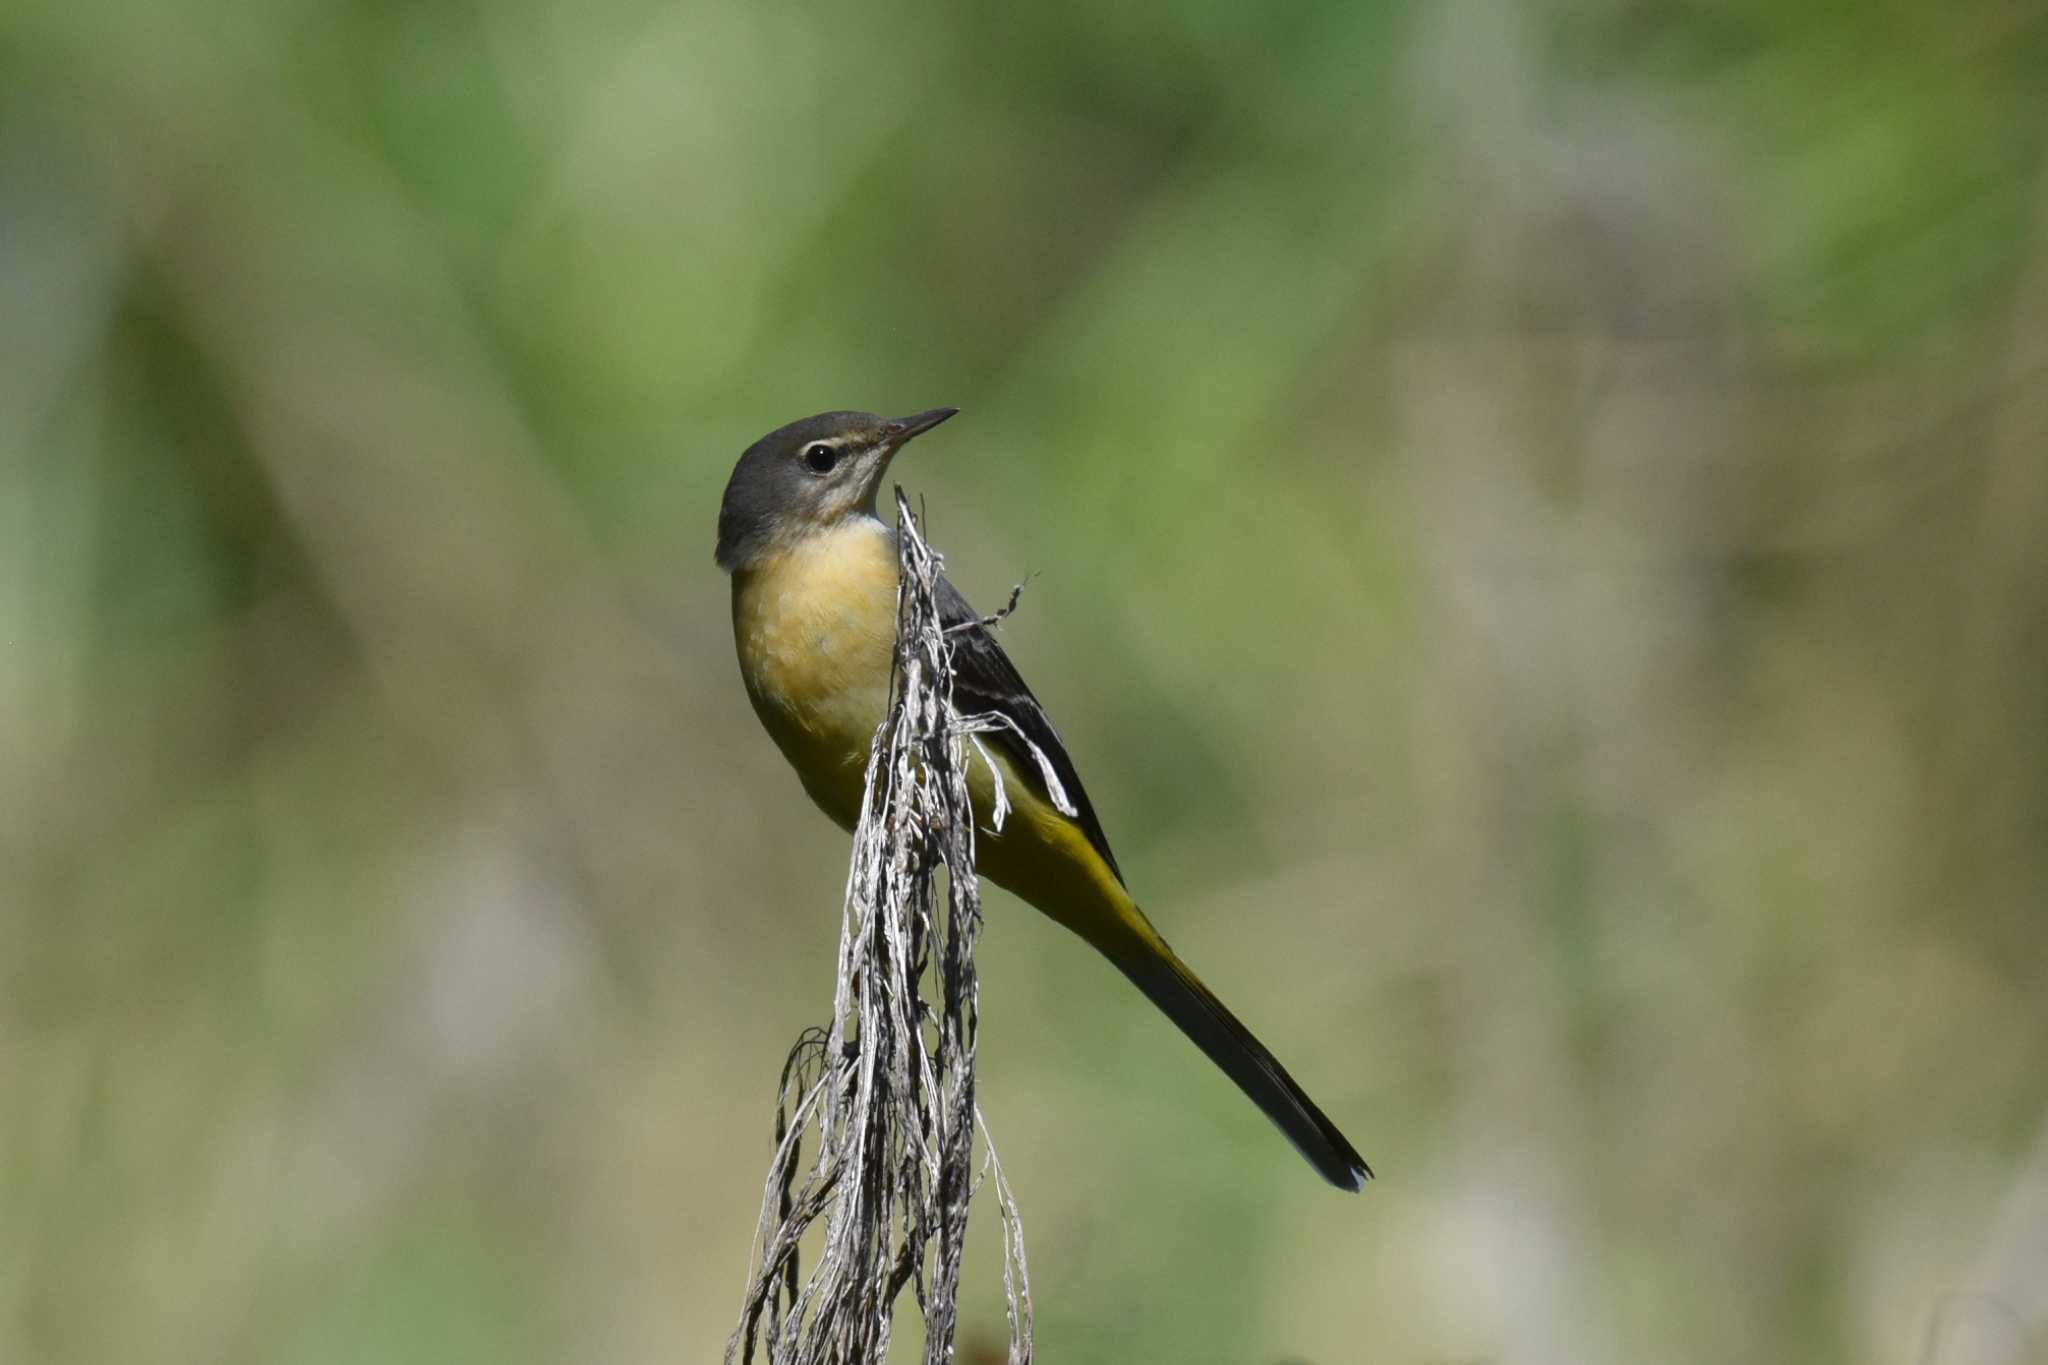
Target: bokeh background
x=1538 y=520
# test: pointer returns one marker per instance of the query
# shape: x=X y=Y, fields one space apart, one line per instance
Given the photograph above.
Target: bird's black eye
x=820 y=458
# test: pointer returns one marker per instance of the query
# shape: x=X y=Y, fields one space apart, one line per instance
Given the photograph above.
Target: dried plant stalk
x=888 y=1089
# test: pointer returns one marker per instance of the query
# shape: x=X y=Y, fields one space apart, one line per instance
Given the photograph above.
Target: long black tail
x=1177 y=991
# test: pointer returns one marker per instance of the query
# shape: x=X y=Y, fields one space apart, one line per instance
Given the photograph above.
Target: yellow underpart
x=815 y=626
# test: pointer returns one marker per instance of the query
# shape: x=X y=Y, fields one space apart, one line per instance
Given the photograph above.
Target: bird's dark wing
x=985 y=680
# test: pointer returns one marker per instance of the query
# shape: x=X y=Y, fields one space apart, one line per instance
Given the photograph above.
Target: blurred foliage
x=1539 y=519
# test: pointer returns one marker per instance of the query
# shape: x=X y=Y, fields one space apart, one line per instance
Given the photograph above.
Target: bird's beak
x=895 y=433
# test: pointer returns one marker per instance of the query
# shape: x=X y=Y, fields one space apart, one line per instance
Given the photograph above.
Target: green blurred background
x=1539 y=520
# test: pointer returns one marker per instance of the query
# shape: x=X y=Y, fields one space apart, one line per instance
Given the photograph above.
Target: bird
x=814 y=577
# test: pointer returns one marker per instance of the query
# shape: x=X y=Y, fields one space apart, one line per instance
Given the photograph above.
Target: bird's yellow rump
x=814 y=575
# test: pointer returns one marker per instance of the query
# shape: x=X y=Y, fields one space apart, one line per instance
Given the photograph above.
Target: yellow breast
x=815 y=626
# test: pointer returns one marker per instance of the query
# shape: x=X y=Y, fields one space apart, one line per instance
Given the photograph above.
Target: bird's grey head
x=808 y=476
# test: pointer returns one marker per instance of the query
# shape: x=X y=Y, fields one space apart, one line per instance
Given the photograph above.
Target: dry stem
x=888 y=1089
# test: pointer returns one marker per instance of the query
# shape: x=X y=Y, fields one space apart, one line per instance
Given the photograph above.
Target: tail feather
x=1176 y=990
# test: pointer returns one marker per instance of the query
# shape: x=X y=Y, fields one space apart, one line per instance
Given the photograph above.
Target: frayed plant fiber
x=883 y=1099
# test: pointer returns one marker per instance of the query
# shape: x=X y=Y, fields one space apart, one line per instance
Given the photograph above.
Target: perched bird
x=814 y=574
